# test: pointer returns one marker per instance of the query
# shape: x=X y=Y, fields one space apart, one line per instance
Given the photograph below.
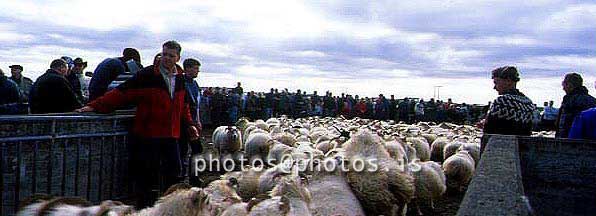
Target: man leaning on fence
x=159 y=93
x=511 y=113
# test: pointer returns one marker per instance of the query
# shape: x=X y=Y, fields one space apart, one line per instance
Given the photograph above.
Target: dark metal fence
x=63 y=155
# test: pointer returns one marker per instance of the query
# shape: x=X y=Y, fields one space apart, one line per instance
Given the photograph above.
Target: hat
x=79 y=61
x=16 y=67
x=68 y=61
x=506 y=72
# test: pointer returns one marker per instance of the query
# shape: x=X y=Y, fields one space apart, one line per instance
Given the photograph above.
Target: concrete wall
x=497 y=187
x=533 y=176
x=63 y=155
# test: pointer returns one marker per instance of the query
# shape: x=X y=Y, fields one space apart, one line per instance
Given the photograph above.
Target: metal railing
x=63 y=155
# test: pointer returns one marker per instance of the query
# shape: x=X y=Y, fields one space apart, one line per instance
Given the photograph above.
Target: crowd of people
x=221 y=106
x=171 y=107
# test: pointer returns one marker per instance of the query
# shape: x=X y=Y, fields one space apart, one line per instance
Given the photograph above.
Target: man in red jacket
x=158 y=91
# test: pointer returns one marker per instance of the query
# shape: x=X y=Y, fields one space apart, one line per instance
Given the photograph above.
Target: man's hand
x=193 y=133
x=85 y=109
x=481 y=124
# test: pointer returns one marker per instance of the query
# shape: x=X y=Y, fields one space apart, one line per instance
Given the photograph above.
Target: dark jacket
x=51 y=93
x=9 y=91
x=584 y=126
x=24 y=84
x=158 y=115
x=192 y=97
x=106 y=72
x=573 y=103
x=510 y=114
x=75 y=83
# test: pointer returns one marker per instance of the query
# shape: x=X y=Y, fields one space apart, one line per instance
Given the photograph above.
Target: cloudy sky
x=394 y=47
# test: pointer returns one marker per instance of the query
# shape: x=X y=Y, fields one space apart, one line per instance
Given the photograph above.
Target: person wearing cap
x=511 y=112
x=109 y=69
x=75 y=78
x=574 y=102
x=22 y=82
x=159 y=93
x=51 y=92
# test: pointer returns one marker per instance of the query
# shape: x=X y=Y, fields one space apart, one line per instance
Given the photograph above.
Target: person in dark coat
x=574 y=102
x=10 y=95
x=22 y=82
x=108 y=70
x=51 y=92
x=75 y=78
x=511 y=113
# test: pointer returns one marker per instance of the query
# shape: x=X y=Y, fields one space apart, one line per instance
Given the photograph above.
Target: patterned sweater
x=510 y=114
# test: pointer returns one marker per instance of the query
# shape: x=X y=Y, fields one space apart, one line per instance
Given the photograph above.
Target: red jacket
x=158 y=115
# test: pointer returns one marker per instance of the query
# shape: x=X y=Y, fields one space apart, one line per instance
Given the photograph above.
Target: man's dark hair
x=506 y=72
x=173 y=45
x=189 y=62
x=57 y=64
x=131 y=53
x=574 y=79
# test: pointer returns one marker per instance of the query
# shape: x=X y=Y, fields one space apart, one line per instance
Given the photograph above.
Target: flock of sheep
x=405 y=166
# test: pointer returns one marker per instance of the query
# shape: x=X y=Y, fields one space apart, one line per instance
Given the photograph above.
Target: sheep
x=286 y=138
x=324 y=146
x=302 y=138
x=331 y=192
x=248 y=181
x=318 y=134
x=222 y=194
x=277 y=152
x=430 y=138
x=289 y=197
x=421 y=146
x=227 y=139
x=105 y=208
x=459 y=169
x=261 y=125
x=41 y=204
x=272 y=176
x=257 y=146
x=238 y=209
x=188 y=202
x=396 y=150
x=450 y=149
x=430 y=182
x=382 y=186
x=436 y=149
x=473 y=149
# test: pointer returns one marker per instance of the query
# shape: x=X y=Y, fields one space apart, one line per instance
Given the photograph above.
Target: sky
x=366 y=48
